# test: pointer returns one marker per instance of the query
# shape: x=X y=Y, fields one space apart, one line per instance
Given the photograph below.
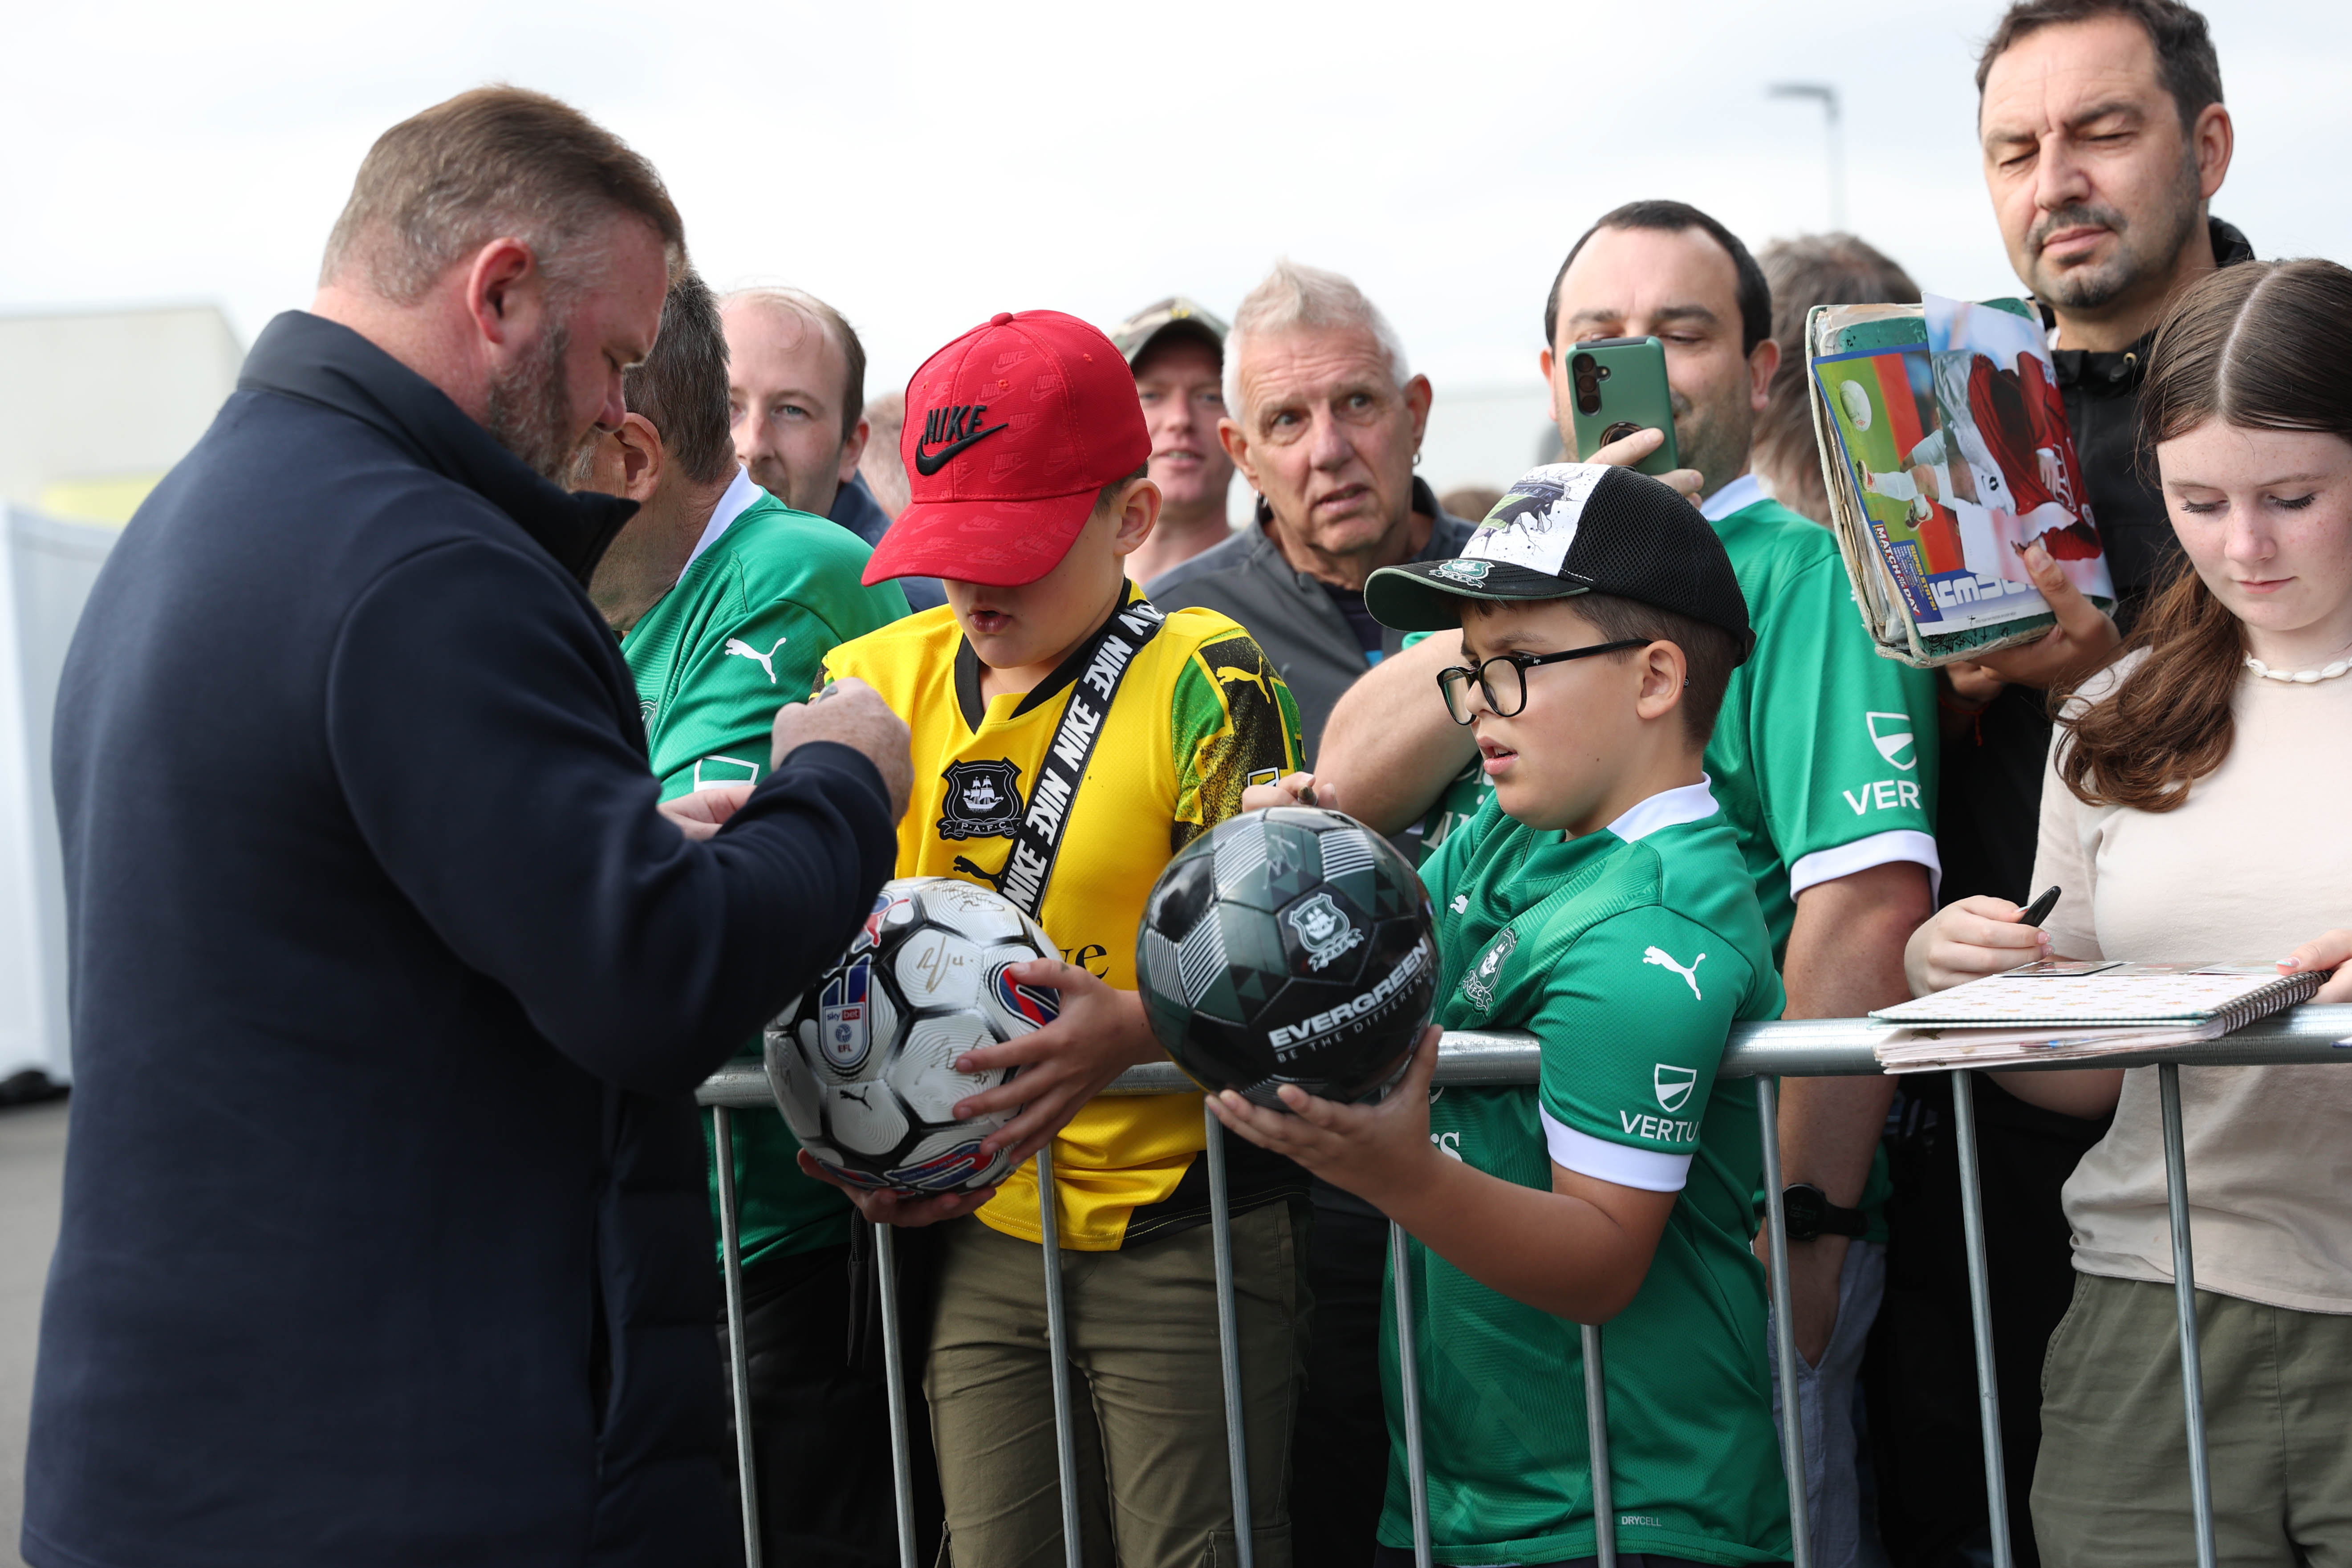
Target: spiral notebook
x=2064 y=1009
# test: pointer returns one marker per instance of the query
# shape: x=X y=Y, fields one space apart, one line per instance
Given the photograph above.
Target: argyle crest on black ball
x=1291 y=945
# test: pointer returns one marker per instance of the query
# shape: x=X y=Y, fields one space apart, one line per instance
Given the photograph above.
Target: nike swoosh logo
x=929 y=463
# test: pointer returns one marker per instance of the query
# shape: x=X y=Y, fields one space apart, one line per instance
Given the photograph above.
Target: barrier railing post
x=902 y=1479
x=1229 y=1340
x=1416 y=1464
x=1784 y=1325
x=739 y=1370
x=1799 y=1047
x=1964 y=1136
x=2184 y=1286
x=1596 y=1440
x=1057 y=1346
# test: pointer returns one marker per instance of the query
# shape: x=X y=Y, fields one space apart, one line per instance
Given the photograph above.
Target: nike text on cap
x=1567 y=528
x=1011 y=431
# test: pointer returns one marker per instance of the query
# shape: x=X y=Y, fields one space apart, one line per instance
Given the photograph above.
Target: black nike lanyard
x=1037 y=840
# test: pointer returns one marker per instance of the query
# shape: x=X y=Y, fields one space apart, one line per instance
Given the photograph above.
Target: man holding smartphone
x=1822 y=759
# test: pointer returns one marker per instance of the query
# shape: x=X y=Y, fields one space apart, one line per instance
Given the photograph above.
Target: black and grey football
x=1289 y=945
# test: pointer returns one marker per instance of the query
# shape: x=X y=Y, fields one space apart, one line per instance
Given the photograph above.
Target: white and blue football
x=862 y=1067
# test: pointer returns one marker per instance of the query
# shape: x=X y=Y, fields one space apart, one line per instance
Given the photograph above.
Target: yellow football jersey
x=1199 y=716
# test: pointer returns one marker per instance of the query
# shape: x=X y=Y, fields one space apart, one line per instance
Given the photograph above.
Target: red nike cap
x=1011 y=431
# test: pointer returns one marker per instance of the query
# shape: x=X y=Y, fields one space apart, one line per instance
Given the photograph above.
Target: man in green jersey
x=1602 y=901
x=1824 y=762
x=727 y=602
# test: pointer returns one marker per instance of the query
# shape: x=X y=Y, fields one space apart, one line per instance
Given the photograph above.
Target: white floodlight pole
x=1827 y=97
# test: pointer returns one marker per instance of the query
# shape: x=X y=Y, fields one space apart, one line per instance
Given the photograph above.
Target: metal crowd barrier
x=1822 y=1047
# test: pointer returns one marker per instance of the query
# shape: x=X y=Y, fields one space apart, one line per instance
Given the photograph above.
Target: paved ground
x=32 y=1157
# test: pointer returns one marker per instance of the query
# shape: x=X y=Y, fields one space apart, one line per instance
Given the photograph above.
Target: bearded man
x=384 y=1239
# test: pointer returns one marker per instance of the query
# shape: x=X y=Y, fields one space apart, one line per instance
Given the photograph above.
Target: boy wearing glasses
x=1605 y=907
x=1068 y=739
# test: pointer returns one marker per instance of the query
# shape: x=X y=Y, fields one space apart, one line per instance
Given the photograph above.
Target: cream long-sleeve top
x=2256 y=863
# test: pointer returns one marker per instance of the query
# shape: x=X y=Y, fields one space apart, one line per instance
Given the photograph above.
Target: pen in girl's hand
x=2034 y=913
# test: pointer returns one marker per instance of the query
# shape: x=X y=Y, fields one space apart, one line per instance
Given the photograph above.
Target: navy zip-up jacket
x=385 y=1237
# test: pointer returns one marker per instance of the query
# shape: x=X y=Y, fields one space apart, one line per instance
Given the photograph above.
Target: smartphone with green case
x=1616 y=387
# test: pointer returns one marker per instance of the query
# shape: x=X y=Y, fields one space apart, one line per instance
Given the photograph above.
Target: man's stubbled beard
x=527 y=410
x=2145 y=250
x=579 y=468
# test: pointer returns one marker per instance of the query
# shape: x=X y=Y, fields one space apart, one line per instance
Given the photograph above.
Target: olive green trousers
x=2111 y=1485
x=1147 y=1394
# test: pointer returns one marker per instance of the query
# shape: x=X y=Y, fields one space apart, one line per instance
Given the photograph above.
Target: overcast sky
x=924 y=165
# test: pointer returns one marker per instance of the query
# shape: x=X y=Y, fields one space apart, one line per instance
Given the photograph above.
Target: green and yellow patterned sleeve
x=1233 y=724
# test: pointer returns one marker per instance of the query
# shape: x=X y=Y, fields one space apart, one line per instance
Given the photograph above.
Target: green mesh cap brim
x=1427 y=596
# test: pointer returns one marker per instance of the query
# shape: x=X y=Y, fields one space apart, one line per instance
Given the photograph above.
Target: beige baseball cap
x=1174 y=315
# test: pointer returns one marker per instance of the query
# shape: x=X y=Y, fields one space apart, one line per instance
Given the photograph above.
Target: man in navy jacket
x=385 y=1235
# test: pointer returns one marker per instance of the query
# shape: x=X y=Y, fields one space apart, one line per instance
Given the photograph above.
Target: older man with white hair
x=1324 y=419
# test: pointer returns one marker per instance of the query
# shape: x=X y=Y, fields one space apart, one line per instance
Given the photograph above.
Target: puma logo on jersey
x=1227 y=675
x=1659 y=956
x=737 y=647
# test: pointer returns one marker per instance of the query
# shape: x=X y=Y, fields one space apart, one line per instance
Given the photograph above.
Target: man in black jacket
x=384 y=1236
x=2105 y=139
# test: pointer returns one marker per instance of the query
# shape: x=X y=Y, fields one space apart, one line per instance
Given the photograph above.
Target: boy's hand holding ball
x=1371 y=1151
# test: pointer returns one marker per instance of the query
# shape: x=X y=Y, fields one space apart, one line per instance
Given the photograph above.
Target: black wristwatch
x=1810 y=1214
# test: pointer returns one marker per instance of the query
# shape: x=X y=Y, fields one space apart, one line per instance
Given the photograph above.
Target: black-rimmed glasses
x=1506 y=694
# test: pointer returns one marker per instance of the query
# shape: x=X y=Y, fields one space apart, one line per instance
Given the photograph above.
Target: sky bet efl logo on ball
x=844 y=1034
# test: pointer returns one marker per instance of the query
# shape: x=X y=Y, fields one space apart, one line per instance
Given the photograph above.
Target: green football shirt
x=743 y=633
x=1466 y=792
x=1825 y=754
x=1629 y=952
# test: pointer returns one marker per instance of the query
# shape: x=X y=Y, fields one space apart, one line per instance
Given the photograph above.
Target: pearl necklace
x=2300 y=677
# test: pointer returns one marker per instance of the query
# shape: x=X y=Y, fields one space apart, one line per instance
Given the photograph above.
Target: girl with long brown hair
x=2191 y=812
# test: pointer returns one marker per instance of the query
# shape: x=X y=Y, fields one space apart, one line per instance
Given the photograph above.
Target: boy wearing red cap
x=1068 y=739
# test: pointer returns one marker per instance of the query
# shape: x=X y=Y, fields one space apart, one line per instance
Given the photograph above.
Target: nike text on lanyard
x=1038 y=840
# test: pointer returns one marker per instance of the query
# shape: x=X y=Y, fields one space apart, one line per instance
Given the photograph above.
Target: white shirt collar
x=1742 y=493
x=1667 y=808
x=732 y=505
